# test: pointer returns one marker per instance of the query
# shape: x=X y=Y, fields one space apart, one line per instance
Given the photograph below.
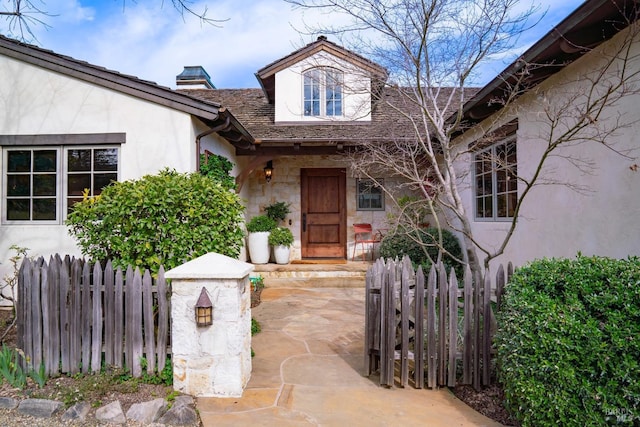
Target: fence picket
x=36 y=319
x=133 y=323
x=453 y=328
x=499 y=286
x=109 y=314
x=53 y=353
x=75 y=348
x=442 y=323
x=86 y=307
x=467 y=355
x=163 y=319
x=96 y=321
x=432 y=349
x=397 y=311
x=147 y=311
x=22 y=307
x=419 y=330
x=486 y=330
x=65 y=353
x=405 y=308
x=62 y=317
x=118 y=319
x=128 y=319
x=43 y=321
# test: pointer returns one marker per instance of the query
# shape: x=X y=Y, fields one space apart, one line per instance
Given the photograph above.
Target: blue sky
x=150 y=40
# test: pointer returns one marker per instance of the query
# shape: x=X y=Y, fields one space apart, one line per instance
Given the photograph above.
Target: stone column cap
x=211 y=266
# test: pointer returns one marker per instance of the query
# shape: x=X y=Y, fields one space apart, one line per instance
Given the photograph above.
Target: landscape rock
x=184 y=400
x=147 y=412
x=179 y=415
x=77 y=412
x=41 y=408
x=8 y=403
x=111 y=413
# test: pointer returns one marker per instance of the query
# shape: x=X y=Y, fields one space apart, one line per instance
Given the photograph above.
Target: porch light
x=268 y=171
x=204 y=309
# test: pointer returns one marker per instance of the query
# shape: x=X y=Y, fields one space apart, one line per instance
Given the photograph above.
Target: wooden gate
x=427 y=325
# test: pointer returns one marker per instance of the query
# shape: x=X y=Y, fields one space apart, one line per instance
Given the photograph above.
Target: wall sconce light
x=268 y=171
x=204 y=309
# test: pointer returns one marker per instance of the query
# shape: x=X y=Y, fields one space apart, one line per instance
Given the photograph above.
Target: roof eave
x=552 y=39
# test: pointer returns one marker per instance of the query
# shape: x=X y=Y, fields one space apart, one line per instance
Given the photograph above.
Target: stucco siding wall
x=289 y=90
x=36 y=101
x=593 y=209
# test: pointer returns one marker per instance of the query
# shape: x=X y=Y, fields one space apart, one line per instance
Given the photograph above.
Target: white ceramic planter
x=259 y=247
x=281 y=253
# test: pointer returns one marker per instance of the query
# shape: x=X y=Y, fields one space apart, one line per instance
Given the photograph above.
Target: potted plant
x=281 y=239
x=259 y=229
x=278 y=211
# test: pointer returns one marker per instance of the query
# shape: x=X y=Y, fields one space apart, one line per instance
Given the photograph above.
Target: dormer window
x=323 y=92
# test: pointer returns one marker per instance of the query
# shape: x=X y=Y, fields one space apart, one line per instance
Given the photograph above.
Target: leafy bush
x=422 y=247
x=260 y=223
x=278 y=211
x=218 y=168
x=568 y=342
x=163 y=219
x=281 y=236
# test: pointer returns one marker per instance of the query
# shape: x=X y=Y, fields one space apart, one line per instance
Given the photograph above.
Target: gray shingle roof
x=251 y=108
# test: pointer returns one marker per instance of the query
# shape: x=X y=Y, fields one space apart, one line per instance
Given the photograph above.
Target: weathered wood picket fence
x=428 y=325
x=74 y=317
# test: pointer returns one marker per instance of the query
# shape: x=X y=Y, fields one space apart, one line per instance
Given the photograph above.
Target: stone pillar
x=215 y=360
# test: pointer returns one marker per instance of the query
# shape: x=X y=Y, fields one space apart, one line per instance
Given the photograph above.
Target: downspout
x=214 y=129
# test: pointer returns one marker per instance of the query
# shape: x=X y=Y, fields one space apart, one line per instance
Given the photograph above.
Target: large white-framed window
x=496 y=184
x=41 y=183
x=323 y=92
x=369 y=195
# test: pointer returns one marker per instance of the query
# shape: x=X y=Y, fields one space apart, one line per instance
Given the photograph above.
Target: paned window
x=369 y=195
x=89 y=170
x=31 y=185
x=496 y=184
x=39 y=182
x=323 y=92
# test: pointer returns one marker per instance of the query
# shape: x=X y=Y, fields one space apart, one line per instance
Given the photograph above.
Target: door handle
x=304 y=222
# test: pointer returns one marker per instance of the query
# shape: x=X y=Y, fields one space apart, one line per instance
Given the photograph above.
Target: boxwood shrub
x=568 y=342
x=421 y=246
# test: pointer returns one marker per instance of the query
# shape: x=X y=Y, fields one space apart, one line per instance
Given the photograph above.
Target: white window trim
x=323 y=92
x=494 y=183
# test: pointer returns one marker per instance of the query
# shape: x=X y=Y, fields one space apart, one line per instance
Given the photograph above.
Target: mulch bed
x=488 y=401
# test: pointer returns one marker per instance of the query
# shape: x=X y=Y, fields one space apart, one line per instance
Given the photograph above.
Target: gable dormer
x=322 y=82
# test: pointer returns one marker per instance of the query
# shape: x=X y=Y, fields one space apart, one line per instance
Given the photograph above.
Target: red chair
x=363 y=236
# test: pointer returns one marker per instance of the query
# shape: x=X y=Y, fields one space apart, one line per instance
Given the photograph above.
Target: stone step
x=315 y=282
x=313 y=275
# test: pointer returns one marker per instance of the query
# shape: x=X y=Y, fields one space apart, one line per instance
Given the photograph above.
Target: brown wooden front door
x=324 y=213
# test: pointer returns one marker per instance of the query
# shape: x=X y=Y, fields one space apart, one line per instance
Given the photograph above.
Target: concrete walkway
x=307 y=371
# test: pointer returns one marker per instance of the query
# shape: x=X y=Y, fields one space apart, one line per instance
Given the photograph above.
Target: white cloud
x=149 y=39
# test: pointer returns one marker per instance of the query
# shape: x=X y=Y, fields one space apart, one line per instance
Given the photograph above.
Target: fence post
x=212 y=360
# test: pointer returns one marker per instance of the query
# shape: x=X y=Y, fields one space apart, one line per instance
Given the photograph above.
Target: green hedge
x=568 y=342
x=164 y=219
x=421 y=246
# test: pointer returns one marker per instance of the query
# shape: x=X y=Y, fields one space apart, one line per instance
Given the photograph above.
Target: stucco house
x=66 y=125
x=313 y=109
x=588 y=199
